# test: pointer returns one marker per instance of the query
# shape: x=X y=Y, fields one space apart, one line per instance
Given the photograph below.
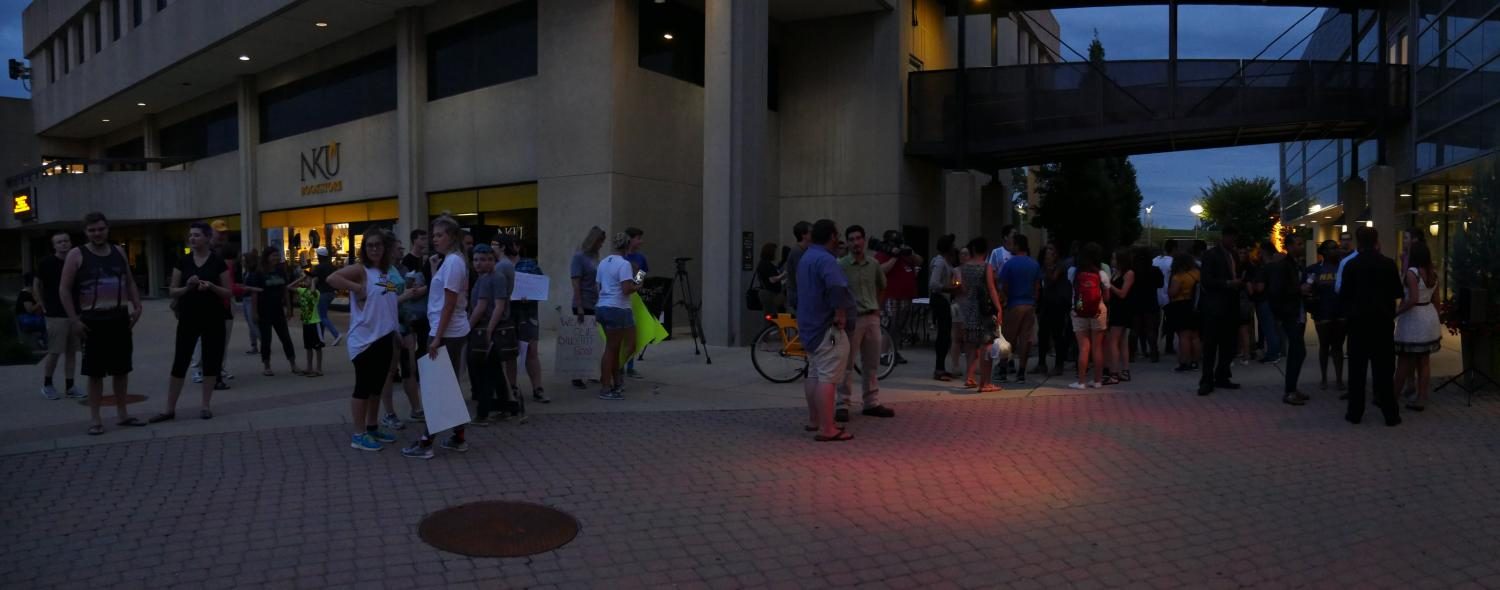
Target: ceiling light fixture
x=140 y=104
x=667 y=36
x=321 y=25
x=104 y=120
x=244 y=58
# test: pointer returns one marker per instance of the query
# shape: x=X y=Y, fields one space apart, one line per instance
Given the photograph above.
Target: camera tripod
x=685 y=299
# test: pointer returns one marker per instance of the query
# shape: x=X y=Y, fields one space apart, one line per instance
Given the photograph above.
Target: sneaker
x=252 y=350
x=418 y=416
x=1077 y=385
x=225 y=375
x=364 y=442
x=392 y=422
x=540 y=396
x=611 y=395
x=75 y=394
x=477 y=421
x=1182 y=369
x=417 y=451
x=50 y=392
x=1093 y=385
x=453 y=444
x=579 y=384
x=337 y=339
x=197 y=376
x=220 y=386
x=633 y=374
x=382 y=437
x=1020 y=377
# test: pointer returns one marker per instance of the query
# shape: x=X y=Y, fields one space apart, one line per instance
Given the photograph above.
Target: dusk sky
x=1171 y=180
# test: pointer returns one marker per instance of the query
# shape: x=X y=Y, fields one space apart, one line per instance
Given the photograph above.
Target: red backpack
x=1088 y=294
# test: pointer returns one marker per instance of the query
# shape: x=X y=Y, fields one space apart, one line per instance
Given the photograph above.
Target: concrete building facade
x=713 y=125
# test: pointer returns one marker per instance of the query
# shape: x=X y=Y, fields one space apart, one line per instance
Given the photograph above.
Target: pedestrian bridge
x=1031 y=114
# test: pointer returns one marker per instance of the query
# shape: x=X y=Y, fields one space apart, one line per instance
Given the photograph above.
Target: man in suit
x=1370 y=290
x=1219 y=306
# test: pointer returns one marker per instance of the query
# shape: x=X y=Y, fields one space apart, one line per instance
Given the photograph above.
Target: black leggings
x=1147 y=326
x=1331 y=336
x=372 y=366
x=942 y=315
x=266 y=325
x=209 y=330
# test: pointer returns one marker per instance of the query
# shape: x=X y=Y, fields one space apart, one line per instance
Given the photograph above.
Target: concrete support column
x=734 y=159
x=961 y=212
x=151 y=139
x=411 y=105
x=248 y=101
x=105 y=22
x=155 y=260
x=1380 y=191
x=72 y=38
x=59 y=61
x=26 y=265
x=90 y=23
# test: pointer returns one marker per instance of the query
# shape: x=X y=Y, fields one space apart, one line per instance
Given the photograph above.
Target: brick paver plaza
x=1114 y=489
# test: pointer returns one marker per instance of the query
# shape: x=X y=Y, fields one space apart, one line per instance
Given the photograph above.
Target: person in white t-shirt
x=616 y=279
x=447 y=302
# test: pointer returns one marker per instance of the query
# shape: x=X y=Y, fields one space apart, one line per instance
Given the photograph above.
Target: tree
x=1090 y=200
x=1248 y=204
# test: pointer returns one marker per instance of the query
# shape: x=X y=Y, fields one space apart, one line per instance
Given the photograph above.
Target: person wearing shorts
x=312 y=338
x=95 y=286
x=1090 y=331
x=823 y=301
x=62 y=341
x=447 y=314
x=528 y=328
x=616 y=279
x=373 y=323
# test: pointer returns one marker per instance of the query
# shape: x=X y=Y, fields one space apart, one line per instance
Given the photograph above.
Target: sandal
x=162 y=417
x=970 y=384
x=1124 y=375
x=205 y=414
x=815 y=428
x=130 y=422
x=96 y=430
x=1110 y=380
x=989 y=388
x=941 y=376
x=842 y=436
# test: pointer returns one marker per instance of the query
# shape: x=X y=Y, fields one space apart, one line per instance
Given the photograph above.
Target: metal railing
x=1035 y=111
x=67 y=166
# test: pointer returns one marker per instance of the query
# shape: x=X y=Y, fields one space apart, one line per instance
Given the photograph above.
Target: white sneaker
x=197 y=376
x=73 y=393
x=1094 y=385
x=50 y=392
x=337 y=340
x=225 y=375
x=1077 y=385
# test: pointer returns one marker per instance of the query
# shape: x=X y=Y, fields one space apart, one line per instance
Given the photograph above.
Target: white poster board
x=442 y=398
x=530 y=287
x=578 y=348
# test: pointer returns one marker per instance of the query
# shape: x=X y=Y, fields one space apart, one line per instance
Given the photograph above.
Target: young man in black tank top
x=96 y=285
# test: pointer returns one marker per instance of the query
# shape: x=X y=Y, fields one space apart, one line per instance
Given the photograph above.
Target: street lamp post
x=1197 y=210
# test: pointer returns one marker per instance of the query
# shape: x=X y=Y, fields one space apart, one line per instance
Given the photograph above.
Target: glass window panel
x=355 y=90
x=490 y=49
x=671 y=40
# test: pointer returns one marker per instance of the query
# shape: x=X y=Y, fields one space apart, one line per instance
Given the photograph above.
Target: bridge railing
x=1074 y=101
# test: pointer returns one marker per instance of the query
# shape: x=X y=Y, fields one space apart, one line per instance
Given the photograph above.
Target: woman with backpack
x=1090 y=315
x=979 y=315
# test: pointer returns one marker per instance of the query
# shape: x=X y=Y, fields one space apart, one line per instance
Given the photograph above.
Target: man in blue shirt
x=822 y=297
x=1020 y=283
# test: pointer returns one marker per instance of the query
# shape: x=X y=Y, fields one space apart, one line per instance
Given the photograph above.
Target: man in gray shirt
x=803 y=232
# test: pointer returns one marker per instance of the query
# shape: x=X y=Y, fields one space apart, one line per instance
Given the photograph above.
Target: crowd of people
x=1079 y=305
x=445 y=294
x=1073 y=305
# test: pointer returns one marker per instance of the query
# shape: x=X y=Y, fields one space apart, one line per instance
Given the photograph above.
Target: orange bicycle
x=778 y=355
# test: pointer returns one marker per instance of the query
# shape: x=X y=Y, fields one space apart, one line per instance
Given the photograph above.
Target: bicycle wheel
x=772 y=361
x=887 y=355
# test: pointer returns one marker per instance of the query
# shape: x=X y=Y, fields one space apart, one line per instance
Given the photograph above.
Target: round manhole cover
x=109 y=400
x=498 y=529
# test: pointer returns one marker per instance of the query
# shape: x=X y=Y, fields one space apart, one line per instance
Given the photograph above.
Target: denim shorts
x=614 y=318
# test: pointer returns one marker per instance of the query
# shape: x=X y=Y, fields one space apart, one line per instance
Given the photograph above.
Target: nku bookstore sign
x=320 y=165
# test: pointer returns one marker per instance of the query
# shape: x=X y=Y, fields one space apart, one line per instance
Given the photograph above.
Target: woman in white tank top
x=372 y=332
